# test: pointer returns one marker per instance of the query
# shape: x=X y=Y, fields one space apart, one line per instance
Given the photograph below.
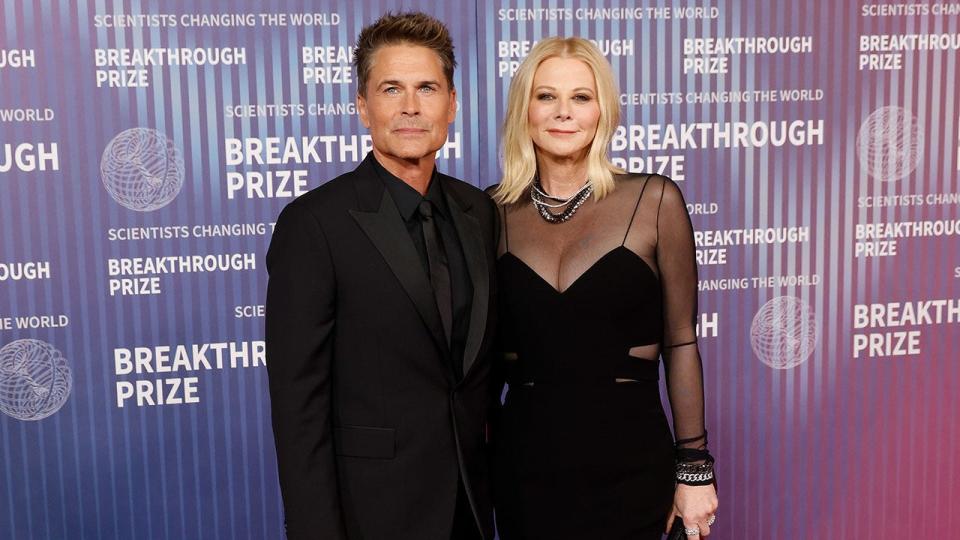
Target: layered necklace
x=540 y=200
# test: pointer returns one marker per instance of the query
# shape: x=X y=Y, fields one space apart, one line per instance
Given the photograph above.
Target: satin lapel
x=468 y=228
x=385 y=228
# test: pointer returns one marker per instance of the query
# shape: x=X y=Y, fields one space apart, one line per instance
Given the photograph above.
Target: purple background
x=835 y=447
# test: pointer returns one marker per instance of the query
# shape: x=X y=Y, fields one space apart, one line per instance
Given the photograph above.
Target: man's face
x=407 y=104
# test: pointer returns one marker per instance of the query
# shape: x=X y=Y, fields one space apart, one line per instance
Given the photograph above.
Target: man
x=379 y=317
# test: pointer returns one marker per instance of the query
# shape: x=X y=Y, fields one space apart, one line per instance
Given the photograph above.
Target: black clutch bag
x=678 y=531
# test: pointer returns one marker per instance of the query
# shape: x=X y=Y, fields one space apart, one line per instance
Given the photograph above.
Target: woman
x=597 y=280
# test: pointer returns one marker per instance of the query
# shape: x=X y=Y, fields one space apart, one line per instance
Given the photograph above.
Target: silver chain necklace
x=560 y=200
x=573 y=203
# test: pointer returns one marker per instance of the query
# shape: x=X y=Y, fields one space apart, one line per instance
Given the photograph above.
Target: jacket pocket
x=365 y=442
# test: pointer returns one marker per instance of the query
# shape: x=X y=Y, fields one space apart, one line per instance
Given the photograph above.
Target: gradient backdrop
x=816 y=144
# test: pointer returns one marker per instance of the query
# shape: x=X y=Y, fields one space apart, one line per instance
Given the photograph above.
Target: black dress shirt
x=408 y=200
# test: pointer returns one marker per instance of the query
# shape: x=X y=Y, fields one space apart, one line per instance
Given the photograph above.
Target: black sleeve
x=300 y=317
x=676 y=257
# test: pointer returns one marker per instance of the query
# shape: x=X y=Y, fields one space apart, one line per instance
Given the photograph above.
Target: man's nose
x=410 y=104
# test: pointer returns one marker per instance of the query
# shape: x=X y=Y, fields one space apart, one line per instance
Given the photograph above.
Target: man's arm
x=300 y=316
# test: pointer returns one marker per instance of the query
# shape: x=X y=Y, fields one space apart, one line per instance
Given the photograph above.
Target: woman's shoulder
x=491 y=191
x=664 y=184
x=641 y=177
x=657 y=189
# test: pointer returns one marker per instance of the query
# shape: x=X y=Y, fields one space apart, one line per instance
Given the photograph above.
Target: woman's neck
x=562 y=177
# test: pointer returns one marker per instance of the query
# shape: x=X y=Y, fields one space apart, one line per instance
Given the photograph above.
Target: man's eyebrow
x=395 y=82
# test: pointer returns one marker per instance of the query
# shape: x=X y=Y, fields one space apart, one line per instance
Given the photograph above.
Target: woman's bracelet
x=695 y=474
x=694 y=465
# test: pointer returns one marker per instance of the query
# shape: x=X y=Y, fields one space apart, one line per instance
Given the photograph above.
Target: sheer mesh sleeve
x=678 y=272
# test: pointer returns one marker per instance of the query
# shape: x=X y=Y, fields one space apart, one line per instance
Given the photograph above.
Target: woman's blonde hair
x=519 y=157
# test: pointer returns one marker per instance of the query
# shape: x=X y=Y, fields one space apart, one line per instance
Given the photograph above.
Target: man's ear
x=452 y=113
x=362 y=109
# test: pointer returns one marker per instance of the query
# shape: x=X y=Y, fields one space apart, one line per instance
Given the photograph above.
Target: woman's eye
x=583 y=98
x=544 y=97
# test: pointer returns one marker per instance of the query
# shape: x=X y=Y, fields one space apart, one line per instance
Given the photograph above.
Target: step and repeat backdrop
x=146 y=148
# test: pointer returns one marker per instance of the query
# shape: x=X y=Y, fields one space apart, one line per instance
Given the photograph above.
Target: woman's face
x=564 y=111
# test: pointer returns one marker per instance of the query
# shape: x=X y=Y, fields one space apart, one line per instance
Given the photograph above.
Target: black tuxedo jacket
x=372 y=430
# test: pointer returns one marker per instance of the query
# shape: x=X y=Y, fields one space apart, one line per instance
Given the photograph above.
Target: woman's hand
x=696 y=506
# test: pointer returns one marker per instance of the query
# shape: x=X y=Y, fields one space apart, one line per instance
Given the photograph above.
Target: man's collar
x=408 y=199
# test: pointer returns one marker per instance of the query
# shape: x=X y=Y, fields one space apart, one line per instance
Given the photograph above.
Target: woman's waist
x=580 y=370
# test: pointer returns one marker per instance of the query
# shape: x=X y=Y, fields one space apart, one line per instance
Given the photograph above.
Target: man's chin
x=412 y=153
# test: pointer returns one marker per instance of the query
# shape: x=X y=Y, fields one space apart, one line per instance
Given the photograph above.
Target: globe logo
x=34 y=379
x=889 y=143
x=142 y=169
x=783 y=332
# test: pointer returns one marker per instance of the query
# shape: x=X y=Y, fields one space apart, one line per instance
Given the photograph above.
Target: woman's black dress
x=583 y=448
